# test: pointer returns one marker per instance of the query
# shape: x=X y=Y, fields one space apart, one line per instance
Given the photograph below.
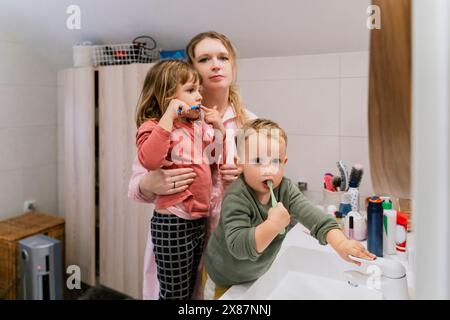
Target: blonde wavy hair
x=234 y=98
x=159 y=87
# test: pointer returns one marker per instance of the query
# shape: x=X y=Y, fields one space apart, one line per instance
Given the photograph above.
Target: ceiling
x=258 y=28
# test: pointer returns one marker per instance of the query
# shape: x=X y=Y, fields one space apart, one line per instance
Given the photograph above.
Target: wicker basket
x=11 y=232
x=120 y=54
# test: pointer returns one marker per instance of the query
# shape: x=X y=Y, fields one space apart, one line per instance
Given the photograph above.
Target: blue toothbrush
x=274 y=200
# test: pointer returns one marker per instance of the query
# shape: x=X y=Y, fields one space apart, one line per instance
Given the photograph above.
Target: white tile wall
x=28 y=131
x=20 y=65
x=308 y=155
x=354 y=101
x=354 y=64
x=321 y=101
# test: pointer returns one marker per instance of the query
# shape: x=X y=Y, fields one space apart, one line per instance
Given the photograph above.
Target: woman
x=214 y=57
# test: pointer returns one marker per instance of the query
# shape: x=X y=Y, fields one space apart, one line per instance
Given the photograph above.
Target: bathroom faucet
x=385 y=275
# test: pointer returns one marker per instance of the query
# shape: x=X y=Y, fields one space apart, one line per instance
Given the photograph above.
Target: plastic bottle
x=359 y=226
x=389 y=226
x=375 y=226
x=401 y=234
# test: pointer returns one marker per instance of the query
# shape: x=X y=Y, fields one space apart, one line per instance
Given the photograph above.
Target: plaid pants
x=178 y=246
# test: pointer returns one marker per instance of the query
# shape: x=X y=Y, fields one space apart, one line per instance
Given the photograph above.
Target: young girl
x=171 y=132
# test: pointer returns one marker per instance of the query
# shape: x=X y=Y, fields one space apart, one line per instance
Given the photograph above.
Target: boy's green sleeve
x=314 y=219
x=238 y=230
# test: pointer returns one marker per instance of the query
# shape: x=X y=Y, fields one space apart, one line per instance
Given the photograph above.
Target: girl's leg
x=199 y=242
x=175 y=241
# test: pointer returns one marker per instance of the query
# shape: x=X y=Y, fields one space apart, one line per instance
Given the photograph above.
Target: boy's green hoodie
x=231 y=257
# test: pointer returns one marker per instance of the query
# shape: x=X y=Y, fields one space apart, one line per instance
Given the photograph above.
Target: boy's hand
x=352 y=247
x=279 y=216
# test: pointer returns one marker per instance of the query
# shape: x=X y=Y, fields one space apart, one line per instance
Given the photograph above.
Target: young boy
x=250 y=232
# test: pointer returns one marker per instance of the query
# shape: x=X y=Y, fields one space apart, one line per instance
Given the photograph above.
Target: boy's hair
x=234 y=98
x=160 y=85
x=258 y=126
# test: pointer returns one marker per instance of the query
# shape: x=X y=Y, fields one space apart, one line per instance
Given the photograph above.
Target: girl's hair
x=234 y=98
x=160 y=85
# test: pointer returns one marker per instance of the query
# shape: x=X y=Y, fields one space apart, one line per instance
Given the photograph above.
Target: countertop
x=299 y=236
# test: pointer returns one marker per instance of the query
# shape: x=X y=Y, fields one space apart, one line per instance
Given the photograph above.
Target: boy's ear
x=285 y=159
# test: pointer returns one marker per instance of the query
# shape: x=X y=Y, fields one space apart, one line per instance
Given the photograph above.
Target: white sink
x=301 y=273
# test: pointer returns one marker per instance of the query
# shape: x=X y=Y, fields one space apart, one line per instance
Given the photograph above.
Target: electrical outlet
x=303 y=186
x=29 y=206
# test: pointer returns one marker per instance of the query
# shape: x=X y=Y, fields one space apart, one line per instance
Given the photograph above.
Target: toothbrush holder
x=330 y=197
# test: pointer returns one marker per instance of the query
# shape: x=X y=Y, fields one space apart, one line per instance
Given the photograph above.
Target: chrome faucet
x=384 y=275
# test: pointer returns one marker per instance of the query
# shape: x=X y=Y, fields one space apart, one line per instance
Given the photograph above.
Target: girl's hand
x=166 y=121
x=212 y=117
x=174 y=106
x=352 y=247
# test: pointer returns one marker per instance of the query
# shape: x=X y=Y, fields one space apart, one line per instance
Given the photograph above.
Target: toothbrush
x=344 y=175
x=336 y=183
x=354 y=182
x=327 y=178
x=274 y=200
x=192 y=108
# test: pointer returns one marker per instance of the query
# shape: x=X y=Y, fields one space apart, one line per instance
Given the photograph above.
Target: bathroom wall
x=321 y=101
x=28 y=145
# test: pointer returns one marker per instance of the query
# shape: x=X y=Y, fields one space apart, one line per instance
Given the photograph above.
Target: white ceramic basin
x=301 y=273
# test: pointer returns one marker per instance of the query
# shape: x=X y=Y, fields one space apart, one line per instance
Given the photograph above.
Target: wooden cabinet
x=122 y=224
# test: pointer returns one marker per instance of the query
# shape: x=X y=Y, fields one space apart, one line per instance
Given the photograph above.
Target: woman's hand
x=166 y=181
x=229 y=173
